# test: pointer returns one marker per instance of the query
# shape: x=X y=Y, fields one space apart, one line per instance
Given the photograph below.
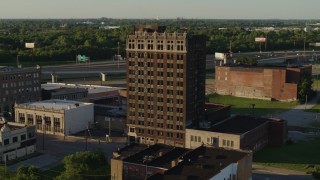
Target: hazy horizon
x=165 y=9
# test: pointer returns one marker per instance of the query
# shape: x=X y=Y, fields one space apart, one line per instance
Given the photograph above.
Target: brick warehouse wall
x=258 y=82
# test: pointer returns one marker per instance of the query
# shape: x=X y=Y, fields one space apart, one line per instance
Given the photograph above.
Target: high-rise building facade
x=165 y=83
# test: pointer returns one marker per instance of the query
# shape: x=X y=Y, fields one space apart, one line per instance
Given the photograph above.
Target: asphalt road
x=94 y=68
x=119 y=67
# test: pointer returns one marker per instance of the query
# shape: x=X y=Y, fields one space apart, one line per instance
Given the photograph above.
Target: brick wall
x=258 y=82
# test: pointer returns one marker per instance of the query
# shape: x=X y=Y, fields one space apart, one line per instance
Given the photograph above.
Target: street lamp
x=304 y=47
x=253 y=109
x=304 y=43
x=109 y=127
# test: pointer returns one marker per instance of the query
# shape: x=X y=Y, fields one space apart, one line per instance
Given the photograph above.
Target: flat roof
x=55 y=104
x=11 y=125
x=158 y=155
x=239 y=124
x=129 y=150
x=202 y=163
x=92 y=89
x=64 y=90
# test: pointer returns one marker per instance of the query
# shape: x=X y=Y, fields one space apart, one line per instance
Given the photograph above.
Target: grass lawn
x=244 y=105
x=295 y=156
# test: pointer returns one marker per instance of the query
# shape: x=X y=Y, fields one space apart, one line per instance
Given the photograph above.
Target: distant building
x=16 y=141
x=166 y=162
x=59 y=117
x=18 y=85
x=88 y=93
x=240 y=132
x=109 y=27
x=165 y=83
x=65 y=93
x=272 y=83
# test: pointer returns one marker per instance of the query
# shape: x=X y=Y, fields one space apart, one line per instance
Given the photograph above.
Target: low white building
x=16 y=140
x=59 y=117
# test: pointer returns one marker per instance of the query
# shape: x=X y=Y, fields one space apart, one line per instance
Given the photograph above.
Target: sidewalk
x=257 y=167
x=298 y=116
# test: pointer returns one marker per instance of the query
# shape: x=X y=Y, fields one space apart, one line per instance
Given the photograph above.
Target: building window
x=21 y=118
x=47 y=120
x=6 y=142
x=224 y=142
x=39 y=122
x=15 y=139
x=160 y=45
x=30 y=119
x=180 y=45
x=30 y=135
x=199 y=139
x=192 y=138
x=56 y=124
x=179 y=57
x=23 y=137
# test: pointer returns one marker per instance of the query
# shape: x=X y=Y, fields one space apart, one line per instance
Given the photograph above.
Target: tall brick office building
x=166 y=84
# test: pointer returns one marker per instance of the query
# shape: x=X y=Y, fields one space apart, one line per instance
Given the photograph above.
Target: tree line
x=62 y=40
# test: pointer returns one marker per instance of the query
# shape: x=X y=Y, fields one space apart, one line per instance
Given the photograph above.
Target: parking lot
x=55 y=148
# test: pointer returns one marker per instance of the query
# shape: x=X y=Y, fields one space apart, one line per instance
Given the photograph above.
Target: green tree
x=84 y=165
x=305 y=87
x=247 y=61
x=314 y=170
x=27 y=173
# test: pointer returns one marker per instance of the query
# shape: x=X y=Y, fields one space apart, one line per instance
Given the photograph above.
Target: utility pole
x=304 y=48
x=265 y=43
x=253 y=109
x=86 y=140
x=118 y=48
x=109 y=127
x=260 y=48
x=43 y=131
x=304 y=41
x=118 y=54
x=305 y=107
x=18 y=61
x=32 y=54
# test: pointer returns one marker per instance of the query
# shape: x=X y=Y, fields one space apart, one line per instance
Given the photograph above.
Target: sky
x=164 y=9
